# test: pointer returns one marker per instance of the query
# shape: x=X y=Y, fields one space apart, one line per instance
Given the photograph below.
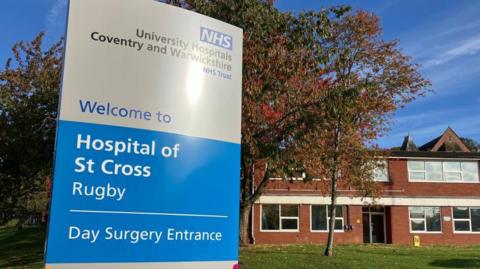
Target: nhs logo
x=216 y=38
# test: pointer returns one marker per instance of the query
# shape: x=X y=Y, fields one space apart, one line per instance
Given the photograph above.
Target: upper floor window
x=466 y=219
x=321 y=218
x=425 y=219
x=380 y=173
x=448 y=171
x=279 y=217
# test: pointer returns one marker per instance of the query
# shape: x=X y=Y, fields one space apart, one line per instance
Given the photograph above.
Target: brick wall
x=398 y=185
x=397 y=224
x=304 y=235
x=401 y=230
x=397 y=218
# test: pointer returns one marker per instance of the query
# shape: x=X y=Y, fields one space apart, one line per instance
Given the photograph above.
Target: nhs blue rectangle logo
x=216 y=38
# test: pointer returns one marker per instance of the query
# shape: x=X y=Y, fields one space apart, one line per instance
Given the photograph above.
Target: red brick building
x=432 y=191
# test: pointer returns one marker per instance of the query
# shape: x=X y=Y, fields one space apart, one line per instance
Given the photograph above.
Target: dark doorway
x=373 y=225
x=378 y=228
x=366 y=228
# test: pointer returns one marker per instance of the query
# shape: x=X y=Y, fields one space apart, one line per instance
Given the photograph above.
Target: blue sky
x=443 y=36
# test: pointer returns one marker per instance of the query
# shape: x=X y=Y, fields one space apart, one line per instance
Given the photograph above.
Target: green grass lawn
x=21 y=248
x=359 y=257
x=24 y=249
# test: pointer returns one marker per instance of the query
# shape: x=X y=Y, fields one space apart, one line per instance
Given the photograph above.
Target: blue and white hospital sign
x=148 y=141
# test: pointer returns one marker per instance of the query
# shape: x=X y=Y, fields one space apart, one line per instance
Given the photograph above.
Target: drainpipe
x=253 y=207
x=349 y=226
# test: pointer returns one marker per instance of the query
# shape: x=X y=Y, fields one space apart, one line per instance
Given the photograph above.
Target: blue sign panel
x=148 y=140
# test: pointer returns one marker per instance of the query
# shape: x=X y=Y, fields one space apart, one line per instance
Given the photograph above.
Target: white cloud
x=56 y=18
x=448 y=56
x=465 y=47
x=447 y=46
x=460 y=27
x=421 y=118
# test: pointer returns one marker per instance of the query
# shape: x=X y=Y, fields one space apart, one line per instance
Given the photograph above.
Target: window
x=433 y=171
x=279 y=218
x=466 y=219
x=448 y=171
x=425 y=219
x=270 y=217
x=416 y=170
x=381 y=172
x=320 y=217
x=452 y=170
x=470 y=171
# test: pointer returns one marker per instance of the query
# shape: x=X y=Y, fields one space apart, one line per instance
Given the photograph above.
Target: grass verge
x=21 y=248
x=360 y=257
x=24 y=249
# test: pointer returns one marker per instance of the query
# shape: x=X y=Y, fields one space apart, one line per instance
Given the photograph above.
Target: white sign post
x=148 y=142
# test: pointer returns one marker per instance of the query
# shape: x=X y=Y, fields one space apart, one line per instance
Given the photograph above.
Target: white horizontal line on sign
x=147 y=213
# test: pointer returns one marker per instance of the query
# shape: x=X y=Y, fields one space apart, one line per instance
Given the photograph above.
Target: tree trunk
x=331 y=222
x=333 y=202
x=250 y=194
x=245 y=211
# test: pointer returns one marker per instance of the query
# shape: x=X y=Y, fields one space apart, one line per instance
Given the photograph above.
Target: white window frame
x=280 y=229
x=445 y=171
x=417 y=171
x=442 y=172
x=328 y=220
x=296 y=179
x=469 y=220
x=443 y=179
x=385 y=166
x=424 y=219
x=287 y=179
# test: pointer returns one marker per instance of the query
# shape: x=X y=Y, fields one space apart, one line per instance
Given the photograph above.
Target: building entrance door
x=373 y=225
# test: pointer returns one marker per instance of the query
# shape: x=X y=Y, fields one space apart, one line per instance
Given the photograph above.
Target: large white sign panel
x=148 y=142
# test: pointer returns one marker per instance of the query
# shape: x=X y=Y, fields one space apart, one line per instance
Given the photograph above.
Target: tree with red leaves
x=29 y=88
x=369 y=79
x=318 y=89
x=282 y=88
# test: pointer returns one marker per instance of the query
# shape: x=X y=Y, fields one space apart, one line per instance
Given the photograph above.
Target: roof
x=408 y=144
x=448 y=142
x=430 y=144
x=435 y=154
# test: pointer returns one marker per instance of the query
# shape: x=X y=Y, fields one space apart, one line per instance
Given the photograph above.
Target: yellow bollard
x=416 y=240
